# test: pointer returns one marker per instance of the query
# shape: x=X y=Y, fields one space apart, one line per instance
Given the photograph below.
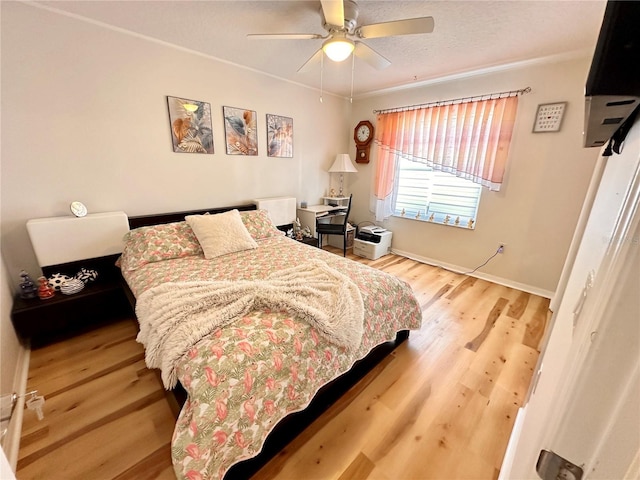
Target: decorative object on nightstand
x=342 y=165
x=300 y=232
x=56 y=280
x=27 y=286
x=71 y=286
x=45 y=291
x=86 y=276
x=363 y=135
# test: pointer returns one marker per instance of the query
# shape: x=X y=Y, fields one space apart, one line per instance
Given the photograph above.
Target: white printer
x=372 y=242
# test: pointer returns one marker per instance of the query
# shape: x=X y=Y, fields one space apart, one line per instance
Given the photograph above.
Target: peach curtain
x=470 y=140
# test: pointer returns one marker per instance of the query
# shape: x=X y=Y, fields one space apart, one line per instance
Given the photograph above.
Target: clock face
x=363 y=133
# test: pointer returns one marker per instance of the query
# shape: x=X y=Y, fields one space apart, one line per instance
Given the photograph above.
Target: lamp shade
x=338 y=48
x=343 y=164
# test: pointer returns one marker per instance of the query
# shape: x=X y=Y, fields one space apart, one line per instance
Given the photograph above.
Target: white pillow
x=221 y=233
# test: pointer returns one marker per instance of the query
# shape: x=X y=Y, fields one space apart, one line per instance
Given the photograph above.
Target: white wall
x=535 y=212
x=84 y=117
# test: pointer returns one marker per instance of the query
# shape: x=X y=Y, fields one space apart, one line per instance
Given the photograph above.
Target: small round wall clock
x=363 y=135
x=78 y=209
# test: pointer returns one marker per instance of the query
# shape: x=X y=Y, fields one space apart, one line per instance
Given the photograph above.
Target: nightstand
x=309 y=241
x=64 y=245
x=46 y=321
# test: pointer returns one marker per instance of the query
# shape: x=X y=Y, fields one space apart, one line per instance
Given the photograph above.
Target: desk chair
x=335 y=229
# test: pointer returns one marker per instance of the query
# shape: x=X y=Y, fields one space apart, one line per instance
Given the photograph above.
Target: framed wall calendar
x=549 y=117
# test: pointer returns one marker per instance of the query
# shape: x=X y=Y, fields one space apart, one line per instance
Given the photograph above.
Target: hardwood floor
x=442 y=406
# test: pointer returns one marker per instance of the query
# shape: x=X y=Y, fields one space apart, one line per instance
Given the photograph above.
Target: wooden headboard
x=160 y=218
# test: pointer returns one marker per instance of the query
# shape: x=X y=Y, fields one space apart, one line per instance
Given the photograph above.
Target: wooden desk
x=308 y=216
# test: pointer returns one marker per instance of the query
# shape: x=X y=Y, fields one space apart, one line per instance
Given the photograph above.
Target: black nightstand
x=46 y=321
x=309 y=241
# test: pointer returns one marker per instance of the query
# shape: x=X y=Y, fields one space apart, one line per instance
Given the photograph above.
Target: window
x=423 y=193
x=429 y=154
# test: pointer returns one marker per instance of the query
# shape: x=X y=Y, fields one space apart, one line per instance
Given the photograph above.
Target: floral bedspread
x=243 y=379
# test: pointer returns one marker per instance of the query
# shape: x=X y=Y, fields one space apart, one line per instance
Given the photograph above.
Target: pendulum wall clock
x=363 y=135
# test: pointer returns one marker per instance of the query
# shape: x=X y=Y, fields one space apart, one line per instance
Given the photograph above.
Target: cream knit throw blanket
x=174 y=316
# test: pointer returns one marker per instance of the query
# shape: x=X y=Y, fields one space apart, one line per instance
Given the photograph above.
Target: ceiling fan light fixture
x=338 y=48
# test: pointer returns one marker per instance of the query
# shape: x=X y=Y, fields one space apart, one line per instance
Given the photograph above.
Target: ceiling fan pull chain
x=321 y=71
x=353 y=66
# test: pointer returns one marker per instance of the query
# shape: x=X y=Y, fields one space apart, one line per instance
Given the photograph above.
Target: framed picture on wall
x=240 y=133
x=190 y=121
x=279 y=136
x=549 y=117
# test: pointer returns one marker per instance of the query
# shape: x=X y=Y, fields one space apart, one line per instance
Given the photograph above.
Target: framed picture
x=240 y=133
x=190 y=122
x=279 y=136
x=549 y=117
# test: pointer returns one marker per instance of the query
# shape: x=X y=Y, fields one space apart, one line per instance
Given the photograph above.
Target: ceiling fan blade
x=283 y=36
x=315 y=58
x=370 y=56
x=398 y=27
x=333 y=11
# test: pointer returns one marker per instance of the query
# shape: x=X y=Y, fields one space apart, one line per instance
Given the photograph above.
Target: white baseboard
x=491 y=278
x=11 y=443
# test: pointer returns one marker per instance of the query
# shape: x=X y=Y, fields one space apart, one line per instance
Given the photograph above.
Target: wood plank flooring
x=442 y=406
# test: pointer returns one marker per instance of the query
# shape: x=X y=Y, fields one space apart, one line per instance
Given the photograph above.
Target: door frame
x=540 y=418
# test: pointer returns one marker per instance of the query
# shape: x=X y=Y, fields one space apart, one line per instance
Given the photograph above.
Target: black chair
x=329 y=228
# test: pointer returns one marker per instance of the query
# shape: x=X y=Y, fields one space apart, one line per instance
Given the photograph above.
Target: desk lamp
x=342 y=165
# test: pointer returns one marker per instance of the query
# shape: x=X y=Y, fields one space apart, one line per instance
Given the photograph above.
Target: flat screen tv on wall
x=612 y=91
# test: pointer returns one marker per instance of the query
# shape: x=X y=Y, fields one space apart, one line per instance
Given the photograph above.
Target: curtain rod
x=510 y=93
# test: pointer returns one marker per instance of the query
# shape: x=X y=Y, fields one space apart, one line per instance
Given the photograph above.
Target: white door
x=588 y=370
x=600 y=426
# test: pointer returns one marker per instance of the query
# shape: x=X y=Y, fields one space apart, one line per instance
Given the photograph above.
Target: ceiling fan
x=340 y=20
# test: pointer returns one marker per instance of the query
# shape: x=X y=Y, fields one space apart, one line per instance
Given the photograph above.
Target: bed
x=262 y=337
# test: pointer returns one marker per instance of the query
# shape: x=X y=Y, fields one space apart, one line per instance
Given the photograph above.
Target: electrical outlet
x=501 y=247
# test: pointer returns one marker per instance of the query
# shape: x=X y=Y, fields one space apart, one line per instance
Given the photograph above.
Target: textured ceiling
x=468 y=35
